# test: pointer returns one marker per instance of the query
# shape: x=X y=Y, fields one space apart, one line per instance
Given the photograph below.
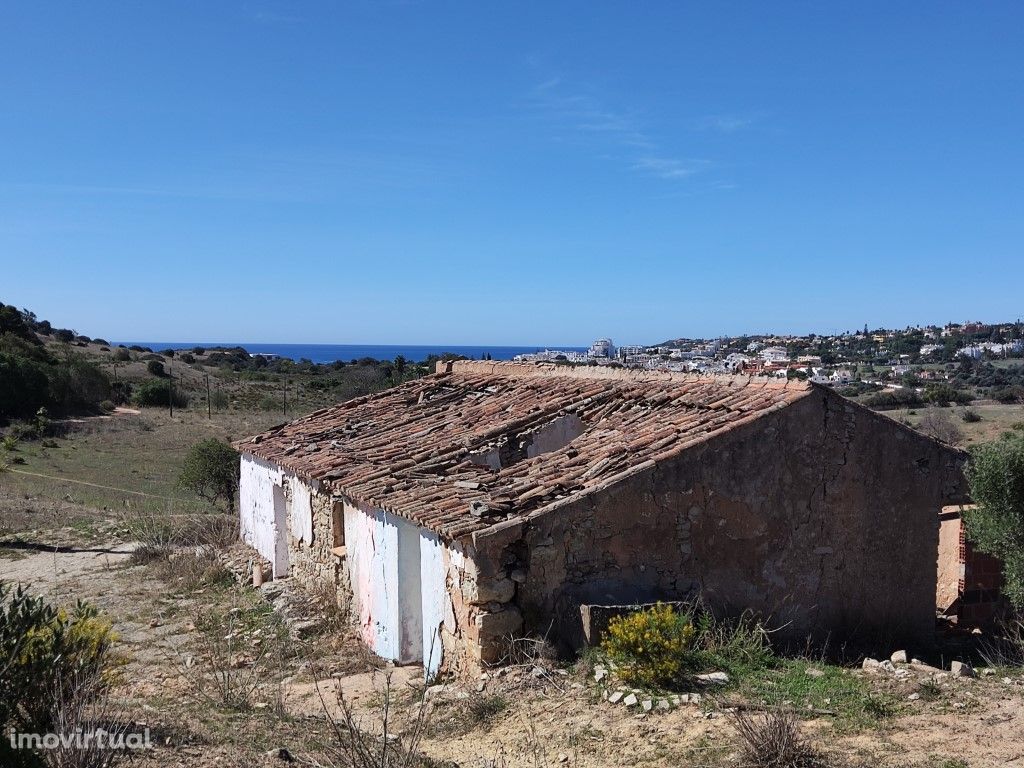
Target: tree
x=995 y=473
x=211 y=472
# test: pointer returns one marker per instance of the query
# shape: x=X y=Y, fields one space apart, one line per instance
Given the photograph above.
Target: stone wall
x=823 y=517
x=314 y=560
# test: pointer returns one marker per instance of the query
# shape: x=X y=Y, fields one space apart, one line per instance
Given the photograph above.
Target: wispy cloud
x=581 y=110
x=665 y=167
x=722 y=123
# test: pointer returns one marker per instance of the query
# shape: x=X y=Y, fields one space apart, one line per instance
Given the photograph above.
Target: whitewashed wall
x=434 y=596
x=397 y=574
x=300 y=510
x=261 y=509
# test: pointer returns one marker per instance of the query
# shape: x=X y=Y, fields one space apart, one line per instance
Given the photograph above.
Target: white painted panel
x=279 y=558
x=410 y=604
x=301 y=514
x=257 y=481
x=434 y=595
x=371 y=544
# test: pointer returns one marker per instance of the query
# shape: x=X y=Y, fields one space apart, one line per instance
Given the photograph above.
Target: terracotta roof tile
x=415 y=450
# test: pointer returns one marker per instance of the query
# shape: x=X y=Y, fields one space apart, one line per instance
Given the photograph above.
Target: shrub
x=122 y=355
x=211 y=472
x=773 y=740
x=24 y=386
x=187 y=358
x=893 y=398
x=43 y=651
x=219 y=400
x=78 y=384
x=970 y=416
x=157 y=394
x=156 y=368
x=107 y=406
x=995 y=473
x=944 y=394
x=1009 y=395
x=650 y=646
x=270 y=403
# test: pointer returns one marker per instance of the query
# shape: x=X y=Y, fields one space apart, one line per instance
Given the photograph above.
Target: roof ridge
x=545 y=369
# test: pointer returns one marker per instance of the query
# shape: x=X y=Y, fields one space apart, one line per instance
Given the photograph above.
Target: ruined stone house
x=495 y=499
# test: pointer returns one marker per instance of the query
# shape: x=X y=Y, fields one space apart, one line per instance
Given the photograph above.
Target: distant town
x=880 y=357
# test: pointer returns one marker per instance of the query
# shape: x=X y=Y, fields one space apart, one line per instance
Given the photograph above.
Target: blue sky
x=509 y=173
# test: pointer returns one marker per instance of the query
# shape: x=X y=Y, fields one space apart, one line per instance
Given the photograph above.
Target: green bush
x=211 y=472
x=219 y=399
x=156 y=368
x=893 y=398
x=24 y=386
x=995 y=473
x=944 y=394
x=122 y=355
x=77 y=384
x=650 y=647
x=45 y=650
x=157 y=394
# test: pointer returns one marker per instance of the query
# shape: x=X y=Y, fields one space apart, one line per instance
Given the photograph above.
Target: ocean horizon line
x=328 y=353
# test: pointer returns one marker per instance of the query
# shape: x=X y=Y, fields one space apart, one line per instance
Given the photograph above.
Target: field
x=995 y=420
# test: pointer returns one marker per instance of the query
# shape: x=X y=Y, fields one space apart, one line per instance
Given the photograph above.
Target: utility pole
x=209 y=405
x=285 y=402
x=170 y=389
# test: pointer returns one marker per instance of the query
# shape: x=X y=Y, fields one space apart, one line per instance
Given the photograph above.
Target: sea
x=328 y=353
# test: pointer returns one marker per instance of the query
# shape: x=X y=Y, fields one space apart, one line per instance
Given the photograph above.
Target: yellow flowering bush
x=650 y=647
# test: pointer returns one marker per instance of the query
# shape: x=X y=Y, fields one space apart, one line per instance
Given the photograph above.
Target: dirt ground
x=532 y=715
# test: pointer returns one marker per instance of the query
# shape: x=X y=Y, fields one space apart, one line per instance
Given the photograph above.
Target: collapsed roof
x=479 y=442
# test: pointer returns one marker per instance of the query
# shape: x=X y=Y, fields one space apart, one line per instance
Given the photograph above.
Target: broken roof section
x=479 y=442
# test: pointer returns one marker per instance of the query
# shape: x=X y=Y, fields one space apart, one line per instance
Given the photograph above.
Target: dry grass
x=773 y=740
x=237 y=656
x=375 y=744
x=995 y=419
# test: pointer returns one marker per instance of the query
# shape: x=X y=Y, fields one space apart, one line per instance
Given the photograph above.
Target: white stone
x=664 y=704
x=631 y=700
x=898 y=657
x=887 y=666
x=870 y=665
x=616 y=697
x=914 y=697
x=814 y=672
x=647 y=705
x=714 y=678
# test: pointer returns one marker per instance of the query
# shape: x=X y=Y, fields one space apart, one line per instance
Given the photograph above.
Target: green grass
x=837 y=690
x=136 y=460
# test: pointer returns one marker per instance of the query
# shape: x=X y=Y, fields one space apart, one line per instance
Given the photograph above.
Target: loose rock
x=714 y=678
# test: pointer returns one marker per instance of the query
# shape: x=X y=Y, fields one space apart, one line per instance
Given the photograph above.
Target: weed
x=238 y=653
x=358 y=744
x=460 y=717
x=773 y=740
x=929 y=690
